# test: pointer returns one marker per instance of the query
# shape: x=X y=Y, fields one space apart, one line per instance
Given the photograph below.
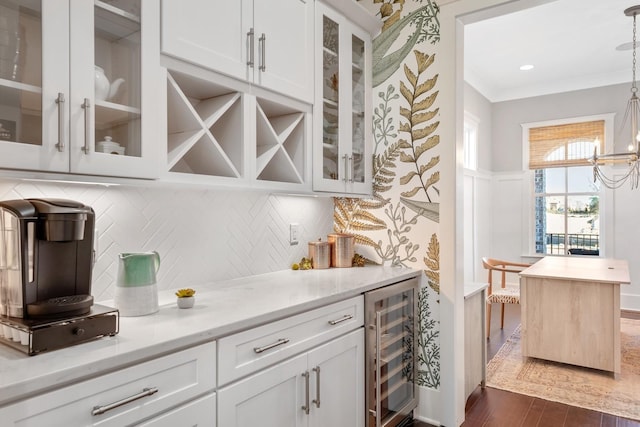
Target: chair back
x=504 y=267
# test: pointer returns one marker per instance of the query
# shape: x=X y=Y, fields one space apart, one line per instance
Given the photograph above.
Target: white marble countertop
x=221 y=308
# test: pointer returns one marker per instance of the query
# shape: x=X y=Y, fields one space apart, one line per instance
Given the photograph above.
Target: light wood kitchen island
x=571 y=310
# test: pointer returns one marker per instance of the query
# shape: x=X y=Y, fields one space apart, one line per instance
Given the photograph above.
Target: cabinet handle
x=263 y=43
x=306 y=406
x=340 y=320
x=60 y=102
x=317 y=399
x=281 y=341
x=251 y=35
x=86 y=105
x=351 y=169
x=346 y=166
x=98 y=410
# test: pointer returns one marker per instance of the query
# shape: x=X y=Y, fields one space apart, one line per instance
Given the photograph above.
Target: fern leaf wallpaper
x=399 y=225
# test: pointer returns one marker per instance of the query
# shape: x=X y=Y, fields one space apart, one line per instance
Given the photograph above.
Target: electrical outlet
x=294 y=233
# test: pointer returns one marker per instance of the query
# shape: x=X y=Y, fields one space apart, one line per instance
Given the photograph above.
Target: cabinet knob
x=78 y=332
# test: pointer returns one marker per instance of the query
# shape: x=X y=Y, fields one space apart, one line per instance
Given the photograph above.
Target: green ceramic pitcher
x=138 y=269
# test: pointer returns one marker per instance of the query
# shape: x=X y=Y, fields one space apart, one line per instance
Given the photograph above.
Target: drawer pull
x=281 y=341
x=98 y=410
x=342 y=319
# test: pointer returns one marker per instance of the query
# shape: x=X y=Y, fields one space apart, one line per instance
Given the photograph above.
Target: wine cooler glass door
x=391 y=360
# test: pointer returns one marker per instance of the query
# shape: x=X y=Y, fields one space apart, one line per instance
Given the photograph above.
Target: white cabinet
x=342 y=151
x=249 y=351
x=304 y=370
x=268 y=43
x=337 y=382
x=323 y=387
x=73 y=79
x=129 y=395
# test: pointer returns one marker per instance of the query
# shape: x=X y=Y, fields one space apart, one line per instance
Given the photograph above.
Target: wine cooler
x=391 y=319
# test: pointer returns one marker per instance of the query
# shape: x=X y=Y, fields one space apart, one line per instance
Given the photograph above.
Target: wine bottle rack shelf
x=216 y=131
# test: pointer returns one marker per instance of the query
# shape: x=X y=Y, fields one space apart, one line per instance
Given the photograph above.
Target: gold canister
x=320 y=254
x=342 y=247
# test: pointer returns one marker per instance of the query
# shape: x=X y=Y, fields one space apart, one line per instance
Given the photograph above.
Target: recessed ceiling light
x=526 y=67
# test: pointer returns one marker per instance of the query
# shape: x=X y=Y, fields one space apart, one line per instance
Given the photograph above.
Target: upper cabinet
x=342 y=148
x=72 y=96
x=266 y=43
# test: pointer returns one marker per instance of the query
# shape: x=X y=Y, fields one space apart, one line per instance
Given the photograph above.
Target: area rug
x=572 y=385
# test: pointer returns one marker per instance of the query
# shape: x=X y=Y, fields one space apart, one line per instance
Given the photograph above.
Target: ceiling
x=571 y=43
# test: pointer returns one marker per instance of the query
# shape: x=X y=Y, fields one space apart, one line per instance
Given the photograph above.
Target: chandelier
x=632 y=156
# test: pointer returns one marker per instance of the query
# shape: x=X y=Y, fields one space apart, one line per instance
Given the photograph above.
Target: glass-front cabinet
x=342 y=143
x=71 y=87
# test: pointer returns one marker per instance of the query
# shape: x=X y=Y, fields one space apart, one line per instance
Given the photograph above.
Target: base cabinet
x=140 y=393
x=322 y=387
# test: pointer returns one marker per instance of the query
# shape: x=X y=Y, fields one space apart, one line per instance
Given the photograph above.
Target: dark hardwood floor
x=490 y=407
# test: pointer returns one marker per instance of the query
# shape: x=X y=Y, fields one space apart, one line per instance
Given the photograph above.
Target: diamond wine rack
x=221 y=132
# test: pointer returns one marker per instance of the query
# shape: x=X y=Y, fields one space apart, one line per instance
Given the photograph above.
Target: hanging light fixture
x=632 y=156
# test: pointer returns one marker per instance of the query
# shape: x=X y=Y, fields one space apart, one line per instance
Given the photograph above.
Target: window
x=470 y=147
x=566 y=199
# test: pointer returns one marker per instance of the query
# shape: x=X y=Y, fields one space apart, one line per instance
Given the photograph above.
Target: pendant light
x=632 y=156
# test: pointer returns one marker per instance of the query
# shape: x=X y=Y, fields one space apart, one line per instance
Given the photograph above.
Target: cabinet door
x=342 y=151
x=211 y=33
x=271 y=398
x=198 y=413
x=113 y=130
x=284 y=46
x=358 y=86
x=337 y=382
x=33 y=125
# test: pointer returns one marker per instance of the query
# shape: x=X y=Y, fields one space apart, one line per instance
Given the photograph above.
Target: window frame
x=529 y=214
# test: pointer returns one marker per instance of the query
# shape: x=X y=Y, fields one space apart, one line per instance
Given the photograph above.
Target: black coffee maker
x=48 y=257
x=46 y=261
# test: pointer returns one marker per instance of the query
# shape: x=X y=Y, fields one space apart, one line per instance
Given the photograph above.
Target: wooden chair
x=507 y=293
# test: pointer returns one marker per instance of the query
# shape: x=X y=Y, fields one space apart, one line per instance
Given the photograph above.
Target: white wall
x=202 y=234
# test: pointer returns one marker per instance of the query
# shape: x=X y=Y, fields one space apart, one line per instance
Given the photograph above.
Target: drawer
x=177 y=377
x=249 y=351
x=199 y=413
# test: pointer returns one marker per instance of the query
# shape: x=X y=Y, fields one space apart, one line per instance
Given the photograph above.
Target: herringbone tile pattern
x=202 y=235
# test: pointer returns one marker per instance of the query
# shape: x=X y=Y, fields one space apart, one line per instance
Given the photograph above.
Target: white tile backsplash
x=202 y=234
